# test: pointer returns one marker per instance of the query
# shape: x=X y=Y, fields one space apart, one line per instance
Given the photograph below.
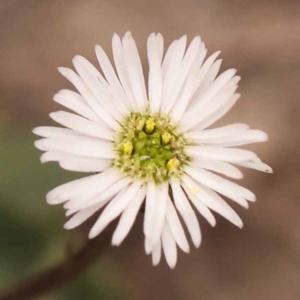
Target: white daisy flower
x=150 y=148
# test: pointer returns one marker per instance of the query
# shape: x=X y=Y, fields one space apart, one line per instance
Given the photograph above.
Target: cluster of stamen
x=149 y=148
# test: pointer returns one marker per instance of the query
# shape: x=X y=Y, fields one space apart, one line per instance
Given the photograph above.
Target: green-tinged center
x=148 y=147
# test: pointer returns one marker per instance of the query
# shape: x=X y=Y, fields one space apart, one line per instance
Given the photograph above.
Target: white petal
x=85 y=164
x=183 y=71
x=119 y=60
x=115 y=208
x=169 y=246
x=212 y=200
x=107 y=194
x=115 y=86
x=134 y=70
x=148 y=245
x=205 y=108
x=210 y=135
x=156 y=254
x=154 y=50
x=189 y=86
x=82 y=125
x=55 y=195
x=208 y=79
x=176 y=227
x=80 y=147
x=83 y=215
x=160 y=212
x=187 y=213
x=256 y=166
x=219 y=113
x=128 y=217
x=99 y=91
x=218 y=153
x=202 y=209
x=217 y=86
x=202 y=75
x=56 y=132
x=247 y=137
x=102 y=182
x=227 y=188
x=168 y=56
x=76 y=103
x=89 y=98
x=173 y=72
x=151 y=196
x=219 y=167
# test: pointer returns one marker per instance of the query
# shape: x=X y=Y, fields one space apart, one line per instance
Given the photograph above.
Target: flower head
x=150 y=147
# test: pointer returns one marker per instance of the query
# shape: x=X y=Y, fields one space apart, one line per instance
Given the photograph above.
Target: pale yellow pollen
x=127 y=147
x=172 y=164
x=140 y=124
x=166 y=137
x=150 y=125
x=196 y=190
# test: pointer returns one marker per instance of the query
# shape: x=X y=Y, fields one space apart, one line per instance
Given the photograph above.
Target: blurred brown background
x=259 y=38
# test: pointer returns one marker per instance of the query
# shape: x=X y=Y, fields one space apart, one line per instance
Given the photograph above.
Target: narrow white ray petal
x=223 y=186
x=173 y=71
x=218 y=153
x=219 y=184
x=209 y=135
x=154 y=46
x=128 y=217
x=218 y=166
x=183 y=71
x=168 y=56
x=83 y=215
x=94 y=71
x=248 y=137
x=202 y=208
x=169 y=246
x=151 y=196
x=80 y=147
x=189 y=86
x=208 y=79
x=202 y=75
x=187 y=213
x=148 y=245
x=85 y=164
x=134 y=70
x=103 y=181
x=212 y=200
x=156 y=254
x=100 y=92
x=219 y=113
x=197 y=114
x=120 y=64
x=89 y=98
x=82 y=125
x=56 y=132
x=176 y=227
x=115 y=208
x=259 y=166
x=217 y=86
x=160 y=212
x=112 y=78
x=54 y=196
x=76 y=103
x=107 y=194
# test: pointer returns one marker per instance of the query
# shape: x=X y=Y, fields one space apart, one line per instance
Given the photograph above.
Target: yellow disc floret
x=148 y=147
x=127 y=147
x=150 y=125
x=173 y=164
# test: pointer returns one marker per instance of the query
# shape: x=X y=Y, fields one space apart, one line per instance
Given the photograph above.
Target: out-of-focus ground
x=259 y=38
